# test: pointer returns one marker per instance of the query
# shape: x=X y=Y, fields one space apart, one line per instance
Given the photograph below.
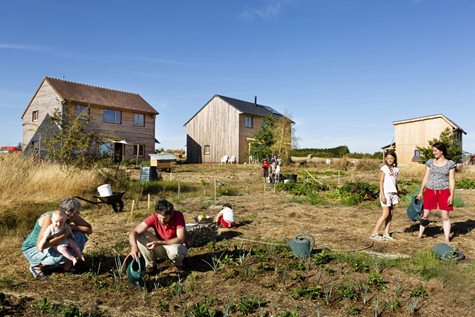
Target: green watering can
x=301 y=246
x=446 y=252
x=136 y=271
x=415 y=210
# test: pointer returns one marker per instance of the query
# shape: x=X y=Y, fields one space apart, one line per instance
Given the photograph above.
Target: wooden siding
x=45 y=101
x=247 y=133
x=418 y=133
x=216 y=125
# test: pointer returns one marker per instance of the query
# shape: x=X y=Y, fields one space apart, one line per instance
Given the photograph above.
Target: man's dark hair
x=164 y=207
x=228 y=205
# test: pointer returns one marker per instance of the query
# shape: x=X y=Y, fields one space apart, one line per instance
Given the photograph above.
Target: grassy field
x=249 y=271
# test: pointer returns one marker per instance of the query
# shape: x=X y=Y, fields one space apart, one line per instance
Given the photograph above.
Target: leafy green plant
x=419 y=292
x=328 y=270
x=226 y=191
x=163 y=305
x=323 y=258
x=411 y=305
x=392 y=305
x=347 y=291
x=328 y=293
x=352 y=310
x=359 y=266
x=201 y=310
x=309 y=292
x=465 y=183
x=248 y=306
x=376 y=280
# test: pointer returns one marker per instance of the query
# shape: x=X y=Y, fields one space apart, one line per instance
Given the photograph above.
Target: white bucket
x=286 y=180
x=105 y=190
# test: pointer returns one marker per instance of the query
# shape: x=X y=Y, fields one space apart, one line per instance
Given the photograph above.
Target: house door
x=118 y=150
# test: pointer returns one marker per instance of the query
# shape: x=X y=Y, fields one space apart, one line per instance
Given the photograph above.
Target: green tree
x=20 y=145
x=448 y=138
x=263 y=139
x=65 y=139
x=284 y=136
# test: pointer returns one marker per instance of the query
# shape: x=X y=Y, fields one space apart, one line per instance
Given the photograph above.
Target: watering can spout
x=289 y=242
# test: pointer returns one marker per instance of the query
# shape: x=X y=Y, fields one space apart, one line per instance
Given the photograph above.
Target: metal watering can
x=301 y=246
x=136 y=271
x=446 y=252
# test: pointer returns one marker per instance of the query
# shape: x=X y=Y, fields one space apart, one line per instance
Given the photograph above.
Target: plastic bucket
x=446 y=252
x=105 y=190
x=286 y=180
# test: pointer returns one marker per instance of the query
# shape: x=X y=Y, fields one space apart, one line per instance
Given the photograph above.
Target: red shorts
x=226 y=224
x=432 y=197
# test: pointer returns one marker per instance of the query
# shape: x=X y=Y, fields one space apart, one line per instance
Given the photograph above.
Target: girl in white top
x=389 y=194
x=226 y=217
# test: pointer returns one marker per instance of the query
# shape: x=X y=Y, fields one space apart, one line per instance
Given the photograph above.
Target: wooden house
x=224 y=126
x=411 y=133
x=124 y=115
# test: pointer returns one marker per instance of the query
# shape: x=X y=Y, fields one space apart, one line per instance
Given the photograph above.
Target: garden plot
x=256 y=275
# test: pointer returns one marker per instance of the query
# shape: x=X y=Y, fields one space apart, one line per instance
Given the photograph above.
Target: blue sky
x=345 y=69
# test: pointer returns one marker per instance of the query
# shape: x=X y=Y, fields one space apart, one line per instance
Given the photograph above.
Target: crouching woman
x=51 y=259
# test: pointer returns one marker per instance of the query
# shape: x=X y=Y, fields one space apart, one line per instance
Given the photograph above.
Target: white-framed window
x=82 y=111
x=112 y=116
x=249 y=122
x=35 y=116
x=139 y=119
x=141 y=149
x=206 y=149
x=417 y=153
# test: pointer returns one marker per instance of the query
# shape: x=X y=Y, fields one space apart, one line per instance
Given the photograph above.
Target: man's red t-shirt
x=167 y=232
x=265 y=166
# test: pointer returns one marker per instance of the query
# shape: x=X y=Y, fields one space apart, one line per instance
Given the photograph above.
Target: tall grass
x=26 y=181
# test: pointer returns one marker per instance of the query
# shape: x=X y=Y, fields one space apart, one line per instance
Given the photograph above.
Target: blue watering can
x=446 y=252
x=301 y=246
x=415 y=210
x=136 y=271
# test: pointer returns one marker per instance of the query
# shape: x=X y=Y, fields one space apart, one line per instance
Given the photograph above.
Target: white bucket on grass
x=105 y=190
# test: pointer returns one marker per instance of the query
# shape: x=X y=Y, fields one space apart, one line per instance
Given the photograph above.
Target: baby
x=57 y=227
x=225 y=217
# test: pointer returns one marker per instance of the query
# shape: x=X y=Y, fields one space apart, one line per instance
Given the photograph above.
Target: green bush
x=226 y=191
x=465 y=183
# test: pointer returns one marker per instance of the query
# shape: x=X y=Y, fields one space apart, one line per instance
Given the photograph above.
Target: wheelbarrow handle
x=91 y=202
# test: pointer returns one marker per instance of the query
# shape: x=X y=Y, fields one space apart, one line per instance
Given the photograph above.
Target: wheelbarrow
x=115 y=200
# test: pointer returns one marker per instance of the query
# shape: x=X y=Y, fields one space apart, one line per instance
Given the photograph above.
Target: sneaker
x=388 y=237
x=150 y=270
x=377 y=237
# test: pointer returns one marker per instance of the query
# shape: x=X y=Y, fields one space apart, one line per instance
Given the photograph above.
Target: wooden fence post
x=215 y=191
x=179 y=189
x=148 y=201
x=132 y=209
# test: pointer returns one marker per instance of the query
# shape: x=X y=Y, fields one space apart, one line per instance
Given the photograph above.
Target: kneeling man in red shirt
x=169 y=241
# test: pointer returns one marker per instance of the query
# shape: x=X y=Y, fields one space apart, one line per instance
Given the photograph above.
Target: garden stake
x=148 y=201
x=132 y=209
x=376 y=306
x=215 y=191
x=178 y=189
x=285 y=269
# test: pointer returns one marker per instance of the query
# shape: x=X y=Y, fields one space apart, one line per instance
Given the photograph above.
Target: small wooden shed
x=165 y=161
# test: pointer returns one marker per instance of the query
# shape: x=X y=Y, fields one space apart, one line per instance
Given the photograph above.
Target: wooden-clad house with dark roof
x=411 y=133
x=223 y=126
x=124 y=115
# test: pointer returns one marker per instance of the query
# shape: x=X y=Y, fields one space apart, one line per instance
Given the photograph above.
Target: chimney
x=255 y=101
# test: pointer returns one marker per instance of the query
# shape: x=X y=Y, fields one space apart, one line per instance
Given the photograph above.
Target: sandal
x=377 y=237
x=388 y=237
x=73 y=271
x=37 y=273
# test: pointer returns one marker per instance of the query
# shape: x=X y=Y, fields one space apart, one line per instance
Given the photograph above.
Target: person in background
x=272 y=158
x=276 y=173
x=389 y=195
x=265 y=170
x=169 y=241
x=440 y=181
x=226 y=217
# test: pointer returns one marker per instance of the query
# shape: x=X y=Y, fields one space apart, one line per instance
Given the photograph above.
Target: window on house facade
x=206 y=149
x=82 y=110
x=35 y=116
x=105 y=149
x=112 y=116
x=141 y=149
x=139 y=119
x=249 y=122
x=458 y=136
x=34 y=144
x=417 y=153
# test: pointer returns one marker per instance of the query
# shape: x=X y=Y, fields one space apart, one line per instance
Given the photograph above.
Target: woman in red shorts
x=440 y=182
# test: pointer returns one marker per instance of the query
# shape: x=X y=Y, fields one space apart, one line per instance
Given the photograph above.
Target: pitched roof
x=98 y=96
x=245 y=107
x=453 y=124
